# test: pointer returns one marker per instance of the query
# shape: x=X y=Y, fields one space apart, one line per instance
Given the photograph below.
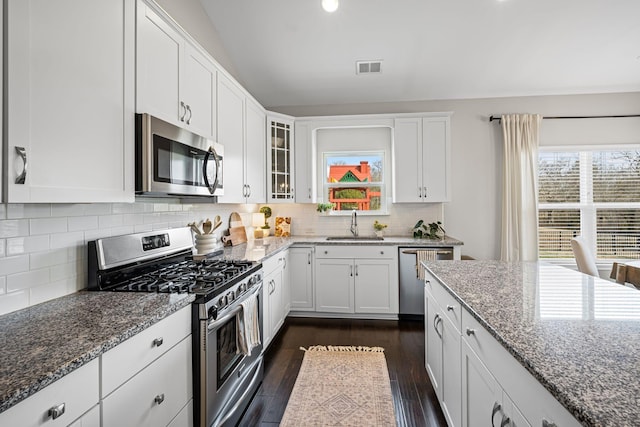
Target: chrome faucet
x=354 y=223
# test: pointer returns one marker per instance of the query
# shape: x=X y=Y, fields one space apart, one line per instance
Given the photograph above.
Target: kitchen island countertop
x=579 y=336
x=42 y=343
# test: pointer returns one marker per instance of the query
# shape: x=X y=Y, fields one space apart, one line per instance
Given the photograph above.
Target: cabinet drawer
x=155 y=395
x=272 y=263
x=356 y=251
x=78 y=391
x=448 y=304
x=124 y=361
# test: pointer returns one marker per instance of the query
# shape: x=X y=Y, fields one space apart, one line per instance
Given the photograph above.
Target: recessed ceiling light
x=330 y=5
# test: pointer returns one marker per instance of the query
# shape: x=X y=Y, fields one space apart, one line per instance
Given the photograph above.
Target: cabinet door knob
x=424 y=192
x=326 y=252
x=546 y=423
x=381 y=252
x=56 y=411
x=158 y=342
x=496 y=409
x=22 y=152
x=450 y=308
x=159 y=398
x=471 y=331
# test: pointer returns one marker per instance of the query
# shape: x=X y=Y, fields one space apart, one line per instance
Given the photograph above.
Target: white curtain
x=520 y=187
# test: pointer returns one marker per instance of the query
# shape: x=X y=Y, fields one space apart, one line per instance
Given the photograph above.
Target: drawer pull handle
x=450 y=308
x=471 y=332
x=496 y=409
x=159 y=399
x=546 y=423
x=22 y=152
x=158 y=342
x=56 y=411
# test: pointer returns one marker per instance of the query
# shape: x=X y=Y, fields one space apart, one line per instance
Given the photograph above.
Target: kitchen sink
x=355 y=238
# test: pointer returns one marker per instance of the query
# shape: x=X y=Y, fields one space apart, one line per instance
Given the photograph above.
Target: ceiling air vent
x=369 y=67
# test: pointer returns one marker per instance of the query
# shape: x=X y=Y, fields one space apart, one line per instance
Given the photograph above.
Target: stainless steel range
x=224 y=379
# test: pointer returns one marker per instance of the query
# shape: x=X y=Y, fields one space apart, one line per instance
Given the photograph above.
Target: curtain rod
x=497 y=117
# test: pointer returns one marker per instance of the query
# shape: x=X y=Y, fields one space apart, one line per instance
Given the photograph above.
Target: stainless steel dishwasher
x=411 y=286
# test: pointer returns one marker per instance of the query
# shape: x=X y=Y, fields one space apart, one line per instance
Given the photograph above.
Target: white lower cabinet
x=154 y=396
x=301 y=277
x=356 y=279
x=477 y=382
x=147 y=380
x=90 y=419
x=59 y=404
x=442 y=350
x=276 y=293
x=483 y=396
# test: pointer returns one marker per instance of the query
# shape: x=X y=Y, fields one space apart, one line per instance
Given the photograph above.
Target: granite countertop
x=43 y=343
x=260 y=249
x=578 y=335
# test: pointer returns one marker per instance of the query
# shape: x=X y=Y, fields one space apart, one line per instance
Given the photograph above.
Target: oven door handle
x=229 y=413
x=226 y=317
x=211 y=152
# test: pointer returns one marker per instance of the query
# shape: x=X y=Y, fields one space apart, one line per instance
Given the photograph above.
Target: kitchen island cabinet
x=542 y=344
x=69 y=125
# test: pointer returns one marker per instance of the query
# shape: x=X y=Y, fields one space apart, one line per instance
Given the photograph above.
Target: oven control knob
x=243 y=287
x=213 y=312
x=222 y=302
x=230 y=297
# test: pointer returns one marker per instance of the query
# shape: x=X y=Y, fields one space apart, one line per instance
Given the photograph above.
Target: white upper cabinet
x=69 y=129
x=422 y=159
x=280 y=148
x=175 y=81
x=303 y=179
x=255 y=162
x=241 y=129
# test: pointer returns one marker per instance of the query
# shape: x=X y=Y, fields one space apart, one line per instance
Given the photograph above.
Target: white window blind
x=591 y=193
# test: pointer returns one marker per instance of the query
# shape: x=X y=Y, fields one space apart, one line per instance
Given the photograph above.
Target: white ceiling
x=291 y=52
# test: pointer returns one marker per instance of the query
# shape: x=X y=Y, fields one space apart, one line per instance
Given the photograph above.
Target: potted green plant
x=428 y=231
x=325 y=208
x=378 y=228
x=266 y=210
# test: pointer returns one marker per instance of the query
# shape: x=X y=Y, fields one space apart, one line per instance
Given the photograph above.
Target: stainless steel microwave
x=175 y=162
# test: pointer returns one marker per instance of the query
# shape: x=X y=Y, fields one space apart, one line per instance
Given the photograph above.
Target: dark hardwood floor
x=414 y=399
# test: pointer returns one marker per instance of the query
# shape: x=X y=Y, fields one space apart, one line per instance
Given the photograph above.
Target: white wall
x=474 y=213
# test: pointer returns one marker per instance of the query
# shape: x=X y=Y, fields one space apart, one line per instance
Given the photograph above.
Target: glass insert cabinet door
x=280 y=141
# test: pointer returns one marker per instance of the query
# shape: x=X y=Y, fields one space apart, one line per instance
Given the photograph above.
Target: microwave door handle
x=211 y=152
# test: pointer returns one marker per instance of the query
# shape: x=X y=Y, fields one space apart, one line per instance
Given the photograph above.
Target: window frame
x=586 y=206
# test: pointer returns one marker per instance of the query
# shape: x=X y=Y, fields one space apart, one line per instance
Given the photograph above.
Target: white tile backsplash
x=47 y=225
x=43 y=251
x=25 y=245
x=28 y=279
x=14 y=228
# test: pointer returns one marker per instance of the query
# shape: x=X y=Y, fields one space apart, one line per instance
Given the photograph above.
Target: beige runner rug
x=341 y=386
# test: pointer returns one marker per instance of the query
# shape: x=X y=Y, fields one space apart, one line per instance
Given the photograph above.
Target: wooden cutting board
x=237 y=232
x=237 y=235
